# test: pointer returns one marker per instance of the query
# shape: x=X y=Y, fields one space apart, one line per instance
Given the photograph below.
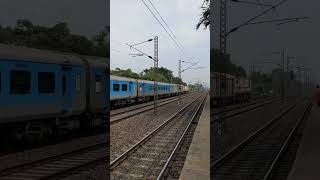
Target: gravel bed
x=15 y=159
x=126 y=133
x=248 y=165
x=134 y=112
x=239 y=127
x=146 y=162
x=94 y=173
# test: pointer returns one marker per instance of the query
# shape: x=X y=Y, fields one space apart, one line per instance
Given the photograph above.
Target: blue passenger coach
x=42 y=91
x=122 y=90
x=127 y=90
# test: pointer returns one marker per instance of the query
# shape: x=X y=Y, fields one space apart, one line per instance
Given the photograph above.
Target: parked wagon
x=228 y=89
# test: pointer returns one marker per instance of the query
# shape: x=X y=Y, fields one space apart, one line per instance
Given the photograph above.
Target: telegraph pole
x=289 y=85
x=223 y=54
x=179 y=74
x=288 y=73
x=283 y=77
x=155 y=69
x=299 y=77
x=155 y=66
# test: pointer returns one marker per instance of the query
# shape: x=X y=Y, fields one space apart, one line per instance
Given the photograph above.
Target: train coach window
x=20 y=82
x=98 y=84
x=124 y=87
x=115 y=87
x=46 y=82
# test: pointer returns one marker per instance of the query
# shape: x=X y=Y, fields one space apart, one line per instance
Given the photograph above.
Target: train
x=228 y=89
x=44 y=92
x=124 y=91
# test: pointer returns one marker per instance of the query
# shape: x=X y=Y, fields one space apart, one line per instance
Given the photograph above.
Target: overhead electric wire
x=166 y=24
x=181 y=51
x=255 y=17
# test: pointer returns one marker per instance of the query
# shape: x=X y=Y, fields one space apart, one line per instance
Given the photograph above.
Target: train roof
x=119 y=78
x=23 y=53
x=97 y=61
x=151 y=82
x=227 y=75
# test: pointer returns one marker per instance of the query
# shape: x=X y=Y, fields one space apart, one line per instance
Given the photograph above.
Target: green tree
x=57 y=37
x=224 y=64
x=162 y=75
x=125 y=73
x=205 y=15
x=101 y=43
x=261 y=82
x=148 y=74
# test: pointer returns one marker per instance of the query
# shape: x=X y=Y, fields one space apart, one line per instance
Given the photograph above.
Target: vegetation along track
x=257 y=155
x=59 y=166
x=235 y=110
x=149 y=157
x=122 y=115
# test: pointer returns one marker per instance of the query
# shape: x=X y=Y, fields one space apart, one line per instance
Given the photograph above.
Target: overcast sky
x=131 y=22
x=84 y=17
x=254 y=44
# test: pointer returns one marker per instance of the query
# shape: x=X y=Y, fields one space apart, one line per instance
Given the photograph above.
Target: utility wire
x=163 y=27
x=257 y=16
x=279 y=20
x=166 y=24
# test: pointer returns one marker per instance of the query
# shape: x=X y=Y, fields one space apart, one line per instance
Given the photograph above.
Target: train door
x=105 y=90
x=141 y=89
x=130 y=90
x=66 y=88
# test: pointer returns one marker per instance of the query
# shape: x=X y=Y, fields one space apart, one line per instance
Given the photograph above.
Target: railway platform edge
x=306 y=164
x=197 y=163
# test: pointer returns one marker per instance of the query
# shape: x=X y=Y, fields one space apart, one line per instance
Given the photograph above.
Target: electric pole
x=283 y=77
x=155 y=69
x=179 y=74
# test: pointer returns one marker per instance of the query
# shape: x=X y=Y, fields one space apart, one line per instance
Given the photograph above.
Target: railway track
x=235 y=110
x=57 y=167
x=119 y=116
x=257 y=156
x=237 y=106
x=151 y=156
x=135 y=107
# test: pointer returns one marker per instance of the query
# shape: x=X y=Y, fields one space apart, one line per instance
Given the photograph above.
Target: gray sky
x=84 y=17
x=254 y=44
x=131 y=22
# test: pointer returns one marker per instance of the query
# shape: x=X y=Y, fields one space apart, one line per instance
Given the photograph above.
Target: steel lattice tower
x=223 y=27
x=155 y=68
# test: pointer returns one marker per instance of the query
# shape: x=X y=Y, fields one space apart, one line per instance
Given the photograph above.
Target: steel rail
x=286 y=143
x=238 y=106
x=227 y=155
x=140 y=112
x=148 y=104
x=165 y=167
x=124 y=155
x=49 y=160
x=245 y=109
